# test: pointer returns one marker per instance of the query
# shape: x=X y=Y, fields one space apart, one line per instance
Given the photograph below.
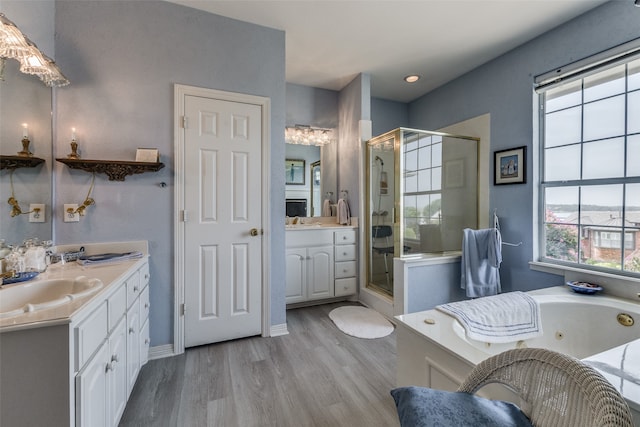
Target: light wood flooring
x=315 y=376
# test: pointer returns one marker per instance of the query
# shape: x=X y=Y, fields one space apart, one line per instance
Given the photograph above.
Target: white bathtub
x=439 y=355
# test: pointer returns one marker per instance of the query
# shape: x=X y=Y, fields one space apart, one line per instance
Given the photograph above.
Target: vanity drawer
x=89 y=334
x=144 y=304
x=144 y=274
x=346 y=286
x=144 y=343
x=345 y=269
x=313 y=237
x=345 y=253
x=117 y=306
x=345 y=237
x=133 y=287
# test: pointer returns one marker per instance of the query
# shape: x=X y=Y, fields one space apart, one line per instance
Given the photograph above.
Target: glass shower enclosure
x=422 y=192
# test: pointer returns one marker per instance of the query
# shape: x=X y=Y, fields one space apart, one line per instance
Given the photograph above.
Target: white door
x=223 y=223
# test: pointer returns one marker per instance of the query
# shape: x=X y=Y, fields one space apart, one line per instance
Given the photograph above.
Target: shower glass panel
x=422 y=190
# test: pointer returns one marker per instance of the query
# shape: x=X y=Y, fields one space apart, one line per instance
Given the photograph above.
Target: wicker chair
x=556 y=390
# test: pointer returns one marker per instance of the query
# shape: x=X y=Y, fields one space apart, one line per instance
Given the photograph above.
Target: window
x=590 y=166
x=423 y=186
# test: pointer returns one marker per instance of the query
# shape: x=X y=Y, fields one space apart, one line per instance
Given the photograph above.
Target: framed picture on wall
x=294 y=172
x=510 y=166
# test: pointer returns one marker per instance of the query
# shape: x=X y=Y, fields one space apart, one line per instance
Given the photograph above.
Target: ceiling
x=329 y=42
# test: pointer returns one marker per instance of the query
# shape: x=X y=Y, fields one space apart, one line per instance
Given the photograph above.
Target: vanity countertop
x=108 y=273
x=320 y=223
x=321 y=226
x=620 y=366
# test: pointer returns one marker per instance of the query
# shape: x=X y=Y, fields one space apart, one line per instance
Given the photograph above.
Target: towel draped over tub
x=508 y=317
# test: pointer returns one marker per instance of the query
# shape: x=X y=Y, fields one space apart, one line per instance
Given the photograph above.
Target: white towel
x=326 y=208
x=343 y=213
x=481 y=258
x=508 y=317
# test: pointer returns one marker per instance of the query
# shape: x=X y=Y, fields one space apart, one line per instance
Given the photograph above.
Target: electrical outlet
x=71 y=217
x=36 y=212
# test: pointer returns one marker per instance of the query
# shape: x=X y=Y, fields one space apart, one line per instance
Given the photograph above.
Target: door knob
x=253 y=232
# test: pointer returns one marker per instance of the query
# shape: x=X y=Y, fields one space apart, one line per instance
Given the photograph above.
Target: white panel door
x=223 y=203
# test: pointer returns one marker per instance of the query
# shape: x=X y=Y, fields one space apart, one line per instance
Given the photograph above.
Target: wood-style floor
x=314 y=376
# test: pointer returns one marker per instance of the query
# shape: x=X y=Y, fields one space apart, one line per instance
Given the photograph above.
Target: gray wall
x=123 y=58
x=354 y=105
x=503 y=87
x=388 y=115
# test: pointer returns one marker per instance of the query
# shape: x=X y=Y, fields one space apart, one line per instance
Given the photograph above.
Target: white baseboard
x=160 y=351
x=278 y=330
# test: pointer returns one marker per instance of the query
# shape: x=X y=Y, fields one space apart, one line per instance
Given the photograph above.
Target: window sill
x=614 y=284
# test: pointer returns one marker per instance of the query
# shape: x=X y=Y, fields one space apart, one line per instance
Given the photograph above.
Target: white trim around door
x=180 y=91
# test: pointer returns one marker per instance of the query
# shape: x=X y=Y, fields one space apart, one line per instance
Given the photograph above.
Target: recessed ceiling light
x=412 y=78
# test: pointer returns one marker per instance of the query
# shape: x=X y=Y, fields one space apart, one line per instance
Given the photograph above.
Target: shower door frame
x=397 y=135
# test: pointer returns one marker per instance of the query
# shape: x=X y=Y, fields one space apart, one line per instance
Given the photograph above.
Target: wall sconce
x=14 y=44
x=307 y=135
x=88 y=201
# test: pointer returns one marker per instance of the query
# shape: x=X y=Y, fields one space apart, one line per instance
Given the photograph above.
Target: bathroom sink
x=39 y=295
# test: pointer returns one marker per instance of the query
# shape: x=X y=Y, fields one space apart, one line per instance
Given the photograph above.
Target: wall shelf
x=15 y=162
x=116 y=170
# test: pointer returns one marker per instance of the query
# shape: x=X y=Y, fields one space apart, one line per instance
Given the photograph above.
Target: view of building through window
x=591 y=169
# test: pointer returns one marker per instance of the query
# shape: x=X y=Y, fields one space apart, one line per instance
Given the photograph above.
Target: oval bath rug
x=361 y=322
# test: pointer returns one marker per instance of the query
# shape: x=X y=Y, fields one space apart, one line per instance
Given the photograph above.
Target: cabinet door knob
x=146 y=305
x=344 y=237
x=114 y=358
x=131 y=330
x=109 y=367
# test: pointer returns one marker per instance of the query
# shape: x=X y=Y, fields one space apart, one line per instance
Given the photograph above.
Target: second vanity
x=321 y=262
x=75 y=364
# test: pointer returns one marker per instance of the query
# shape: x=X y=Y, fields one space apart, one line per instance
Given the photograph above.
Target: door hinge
x=185 y=216
x=185 y=122
x=183 y=309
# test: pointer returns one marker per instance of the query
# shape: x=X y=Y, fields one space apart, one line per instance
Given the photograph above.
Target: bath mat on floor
x=360 y=322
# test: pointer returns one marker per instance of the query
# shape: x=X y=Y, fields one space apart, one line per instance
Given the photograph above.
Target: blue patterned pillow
x=426 y=407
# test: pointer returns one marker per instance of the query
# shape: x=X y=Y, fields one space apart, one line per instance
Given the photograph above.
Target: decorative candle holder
x=74 y=150
x=25 y=148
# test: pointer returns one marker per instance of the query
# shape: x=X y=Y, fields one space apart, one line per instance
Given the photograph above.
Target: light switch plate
x=36 y=216
x=71 y=217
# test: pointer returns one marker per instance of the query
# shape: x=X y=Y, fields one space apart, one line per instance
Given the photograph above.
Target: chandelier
x=15 y=45
x=307 y=135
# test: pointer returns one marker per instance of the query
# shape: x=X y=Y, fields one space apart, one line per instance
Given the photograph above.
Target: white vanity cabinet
x=320 y=264
x=75 y=365
x=105 y=381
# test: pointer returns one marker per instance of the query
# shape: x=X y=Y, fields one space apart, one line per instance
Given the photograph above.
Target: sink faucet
x=64 y=257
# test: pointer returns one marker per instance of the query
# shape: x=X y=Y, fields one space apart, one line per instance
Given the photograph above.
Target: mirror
x=319 y=183
x=25 y=99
